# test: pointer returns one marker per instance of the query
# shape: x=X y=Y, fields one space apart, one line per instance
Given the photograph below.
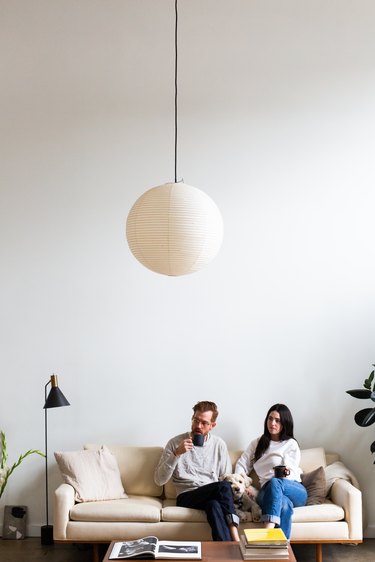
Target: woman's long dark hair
x=286 y=430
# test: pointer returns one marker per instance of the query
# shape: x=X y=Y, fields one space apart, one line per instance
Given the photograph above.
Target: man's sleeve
x=167 y=464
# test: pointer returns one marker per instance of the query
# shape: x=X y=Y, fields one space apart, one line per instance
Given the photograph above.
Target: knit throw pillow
x=93 y=474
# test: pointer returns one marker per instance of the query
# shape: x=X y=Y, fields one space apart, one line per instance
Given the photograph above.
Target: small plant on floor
x=6 y=471
x=365 y=417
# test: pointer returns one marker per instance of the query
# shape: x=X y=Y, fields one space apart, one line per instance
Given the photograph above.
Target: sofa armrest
x=343 y=493
x=64 y=501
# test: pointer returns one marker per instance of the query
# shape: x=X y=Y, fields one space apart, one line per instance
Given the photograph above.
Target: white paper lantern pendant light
x=174 y=228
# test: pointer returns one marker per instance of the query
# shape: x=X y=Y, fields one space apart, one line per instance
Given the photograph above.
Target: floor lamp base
x=46 y=534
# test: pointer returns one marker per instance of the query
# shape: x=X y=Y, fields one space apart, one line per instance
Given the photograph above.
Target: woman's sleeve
x=246 y=461
x=292 y=459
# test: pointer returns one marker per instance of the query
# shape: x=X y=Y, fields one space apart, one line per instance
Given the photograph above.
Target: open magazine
x=151 y=547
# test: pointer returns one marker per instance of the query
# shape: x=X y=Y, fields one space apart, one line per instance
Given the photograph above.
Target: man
x=195 y=471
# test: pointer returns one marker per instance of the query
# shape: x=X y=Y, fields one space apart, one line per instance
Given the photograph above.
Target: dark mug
x=198 y=439
x=281 y=471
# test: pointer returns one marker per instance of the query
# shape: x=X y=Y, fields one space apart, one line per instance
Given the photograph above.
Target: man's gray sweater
x=195 y=468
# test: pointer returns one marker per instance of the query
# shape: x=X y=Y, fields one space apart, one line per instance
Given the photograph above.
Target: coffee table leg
x=319 y=552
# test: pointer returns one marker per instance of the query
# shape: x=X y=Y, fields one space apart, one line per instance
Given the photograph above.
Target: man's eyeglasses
x=197 y=421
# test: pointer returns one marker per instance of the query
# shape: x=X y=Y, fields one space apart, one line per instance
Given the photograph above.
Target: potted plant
x=365 y=417
x=6 y=471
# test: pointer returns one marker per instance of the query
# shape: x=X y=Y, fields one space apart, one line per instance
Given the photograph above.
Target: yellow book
x=265 y=537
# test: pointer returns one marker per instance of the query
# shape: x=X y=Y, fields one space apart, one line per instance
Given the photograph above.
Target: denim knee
x=226 y=497
x=225 y=488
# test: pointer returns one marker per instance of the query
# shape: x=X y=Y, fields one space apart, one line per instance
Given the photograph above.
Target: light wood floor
x=30 y=550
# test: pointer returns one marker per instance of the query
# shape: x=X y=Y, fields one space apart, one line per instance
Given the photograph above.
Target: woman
x=276 y=446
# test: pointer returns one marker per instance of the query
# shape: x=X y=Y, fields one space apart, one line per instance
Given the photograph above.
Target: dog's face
x=238 y=482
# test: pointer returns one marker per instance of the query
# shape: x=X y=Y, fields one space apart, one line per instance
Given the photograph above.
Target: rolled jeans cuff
x=270 y=519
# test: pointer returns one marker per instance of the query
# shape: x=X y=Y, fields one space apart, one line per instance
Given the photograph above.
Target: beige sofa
x=151 y=509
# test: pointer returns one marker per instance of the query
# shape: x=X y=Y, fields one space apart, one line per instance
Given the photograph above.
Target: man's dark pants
x=216 y=499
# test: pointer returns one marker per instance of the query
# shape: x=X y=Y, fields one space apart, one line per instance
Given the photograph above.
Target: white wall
x=277 y=119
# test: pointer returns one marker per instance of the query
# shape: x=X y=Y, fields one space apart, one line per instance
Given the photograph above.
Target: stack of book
x=264 y=544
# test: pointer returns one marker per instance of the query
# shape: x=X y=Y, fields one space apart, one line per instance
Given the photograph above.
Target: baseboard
x=33 y=530
x=369 y=532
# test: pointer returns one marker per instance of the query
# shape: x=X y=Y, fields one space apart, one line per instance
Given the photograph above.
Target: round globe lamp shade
x=174 y=229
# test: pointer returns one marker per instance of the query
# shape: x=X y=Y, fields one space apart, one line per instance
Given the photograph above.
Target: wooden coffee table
x=213 y=551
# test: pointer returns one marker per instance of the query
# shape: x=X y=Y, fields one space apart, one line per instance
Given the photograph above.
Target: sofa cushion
x=315 y=484
x=323 y=513
x=326 y=512
x=141 y=509
x=137 y=466
x=171 y=512
x=94 y=475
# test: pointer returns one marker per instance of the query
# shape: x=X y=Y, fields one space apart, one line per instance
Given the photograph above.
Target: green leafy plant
x=6 y=471
x=365 y=417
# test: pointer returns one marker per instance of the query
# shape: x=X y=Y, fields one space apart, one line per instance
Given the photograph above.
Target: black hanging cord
x=175 y=93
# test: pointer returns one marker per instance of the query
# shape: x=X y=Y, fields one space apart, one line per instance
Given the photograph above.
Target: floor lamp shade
x=55 y=399
x=174 y=229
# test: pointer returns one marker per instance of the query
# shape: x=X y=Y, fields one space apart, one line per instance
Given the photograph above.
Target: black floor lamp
x=55 y=399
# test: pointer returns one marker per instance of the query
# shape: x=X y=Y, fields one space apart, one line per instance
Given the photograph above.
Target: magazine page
x=129 y=549
x=179 y=549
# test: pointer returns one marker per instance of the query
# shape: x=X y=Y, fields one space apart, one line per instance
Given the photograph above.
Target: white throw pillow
x=93 y=474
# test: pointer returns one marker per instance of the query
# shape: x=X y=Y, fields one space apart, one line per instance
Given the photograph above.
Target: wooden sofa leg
x=95 y=556
x=319 y=552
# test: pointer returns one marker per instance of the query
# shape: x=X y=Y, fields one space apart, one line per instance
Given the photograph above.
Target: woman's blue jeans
x=277 y=498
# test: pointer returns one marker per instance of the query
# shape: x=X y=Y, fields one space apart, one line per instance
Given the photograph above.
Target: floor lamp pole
x=46 y=530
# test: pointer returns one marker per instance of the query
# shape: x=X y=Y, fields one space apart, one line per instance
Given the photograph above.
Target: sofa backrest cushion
x=170 y=490
x=234 y=456
x=137 y=466
x=332 y=457
x=312 y=459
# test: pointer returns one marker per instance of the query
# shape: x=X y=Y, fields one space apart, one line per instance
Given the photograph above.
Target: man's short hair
x=206 y=406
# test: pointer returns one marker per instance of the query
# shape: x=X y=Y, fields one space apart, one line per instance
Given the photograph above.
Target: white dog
x=244 y=496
